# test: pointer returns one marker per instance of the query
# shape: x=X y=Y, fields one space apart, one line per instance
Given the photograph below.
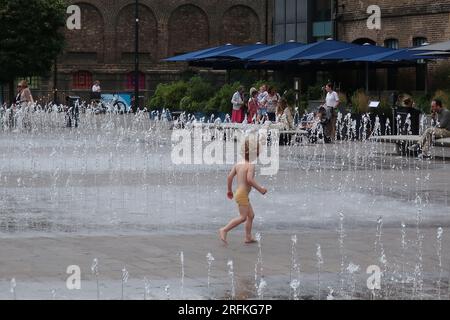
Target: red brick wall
x=188 y=30
x=241 y=25
x=167 y=27
x=403 y=20
x=148 y=40
x=91 y=37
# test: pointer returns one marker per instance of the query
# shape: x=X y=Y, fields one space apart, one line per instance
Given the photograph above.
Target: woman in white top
x=24 y=96
x=238 y=106
x=332 y=103
x=96 y=87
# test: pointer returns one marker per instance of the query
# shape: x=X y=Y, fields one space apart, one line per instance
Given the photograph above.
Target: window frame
x=86 y=84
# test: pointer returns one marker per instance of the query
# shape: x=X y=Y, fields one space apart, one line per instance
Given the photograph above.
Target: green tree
x=31 y=38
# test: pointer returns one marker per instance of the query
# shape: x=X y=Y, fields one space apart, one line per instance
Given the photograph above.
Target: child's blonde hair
x=251 y=148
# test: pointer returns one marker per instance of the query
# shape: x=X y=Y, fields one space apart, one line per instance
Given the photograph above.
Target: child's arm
x=230 y=182
x=252 y=182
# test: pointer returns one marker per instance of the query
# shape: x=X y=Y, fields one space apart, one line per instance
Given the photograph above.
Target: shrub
x=385 y=107
x=221 y=102
x=199 y=90
x=290 y=97
x=360 y=102
x=169 y=95
x=423 y=103
x=343 y=100
x=315 y=93
x=444 y=96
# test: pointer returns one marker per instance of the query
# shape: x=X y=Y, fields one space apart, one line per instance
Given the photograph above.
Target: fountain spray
x=13 y=288
x=319 y=268
x=341 y=249
x=295 y=269
x=95 y=272
x=210 y=259
x=259 y=263
x=182 y=274
x=231 y=275
x=440 y=231
x=125 y=276
x=146 y=288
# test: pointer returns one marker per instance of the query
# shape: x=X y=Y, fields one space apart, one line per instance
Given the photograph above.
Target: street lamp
x=136 y=58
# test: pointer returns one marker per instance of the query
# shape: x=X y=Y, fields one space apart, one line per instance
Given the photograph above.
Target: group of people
x=24 y=96
x=266 y=104
x=263 y=105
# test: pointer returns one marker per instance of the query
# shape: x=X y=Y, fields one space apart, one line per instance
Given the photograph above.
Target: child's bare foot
x=223 y=236
x=250 y=241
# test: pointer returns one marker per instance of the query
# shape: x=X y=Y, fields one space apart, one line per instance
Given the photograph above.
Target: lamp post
x=136 y=58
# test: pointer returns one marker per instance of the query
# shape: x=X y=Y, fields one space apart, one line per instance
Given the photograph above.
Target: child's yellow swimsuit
x=241 y=197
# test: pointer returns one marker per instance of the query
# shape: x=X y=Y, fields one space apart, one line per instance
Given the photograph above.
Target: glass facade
x=303 y=20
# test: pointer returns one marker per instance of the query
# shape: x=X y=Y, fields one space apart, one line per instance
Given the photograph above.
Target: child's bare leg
x=244 y=212
x=249 y=226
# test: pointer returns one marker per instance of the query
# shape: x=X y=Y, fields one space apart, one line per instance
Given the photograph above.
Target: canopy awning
x=442 y=46
x=393 y=56
x=297 y=53
x=193 y=55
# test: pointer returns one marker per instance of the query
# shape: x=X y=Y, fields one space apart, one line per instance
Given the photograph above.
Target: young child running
x=245 y=173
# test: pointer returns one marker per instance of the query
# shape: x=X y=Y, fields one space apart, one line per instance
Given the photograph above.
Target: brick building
x=404 y=24
x=104 y=48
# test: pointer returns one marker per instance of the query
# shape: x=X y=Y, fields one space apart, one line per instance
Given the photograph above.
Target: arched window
x=419 y=41
x=130 y=81
x=82 y=80
x=362 y=41
x=391 y=43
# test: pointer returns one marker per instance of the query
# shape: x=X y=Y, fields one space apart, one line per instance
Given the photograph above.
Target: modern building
x=403 y=24
x=303 y=20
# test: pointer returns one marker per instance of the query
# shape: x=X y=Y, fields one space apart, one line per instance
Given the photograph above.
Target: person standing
x=262 y=110
x=24 y=96
x=238 y=106
x=270 y=103
x=253 y=106
x=332 y=102
x=262 y=93
x=96 y=87
x=441 y=116
x=284 y=115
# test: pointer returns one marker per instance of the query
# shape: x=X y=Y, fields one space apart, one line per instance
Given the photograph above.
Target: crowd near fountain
x=70 y=171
